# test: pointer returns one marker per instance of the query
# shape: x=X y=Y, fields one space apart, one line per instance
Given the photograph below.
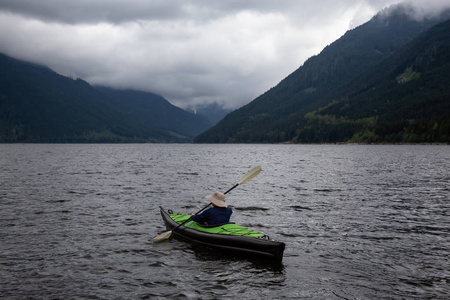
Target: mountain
x=153 y=111
x=312 y=103
x=406 y=98
x=39 y=105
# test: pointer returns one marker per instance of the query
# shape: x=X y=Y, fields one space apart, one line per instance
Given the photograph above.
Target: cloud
x=89 y=11
x=419 y=9
x=191 y=51
x=120 y=11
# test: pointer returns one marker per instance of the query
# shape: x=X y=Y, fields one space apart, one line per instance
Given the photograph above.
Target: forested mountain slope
x=404 y=99
x=290 y=111
x=39 y=105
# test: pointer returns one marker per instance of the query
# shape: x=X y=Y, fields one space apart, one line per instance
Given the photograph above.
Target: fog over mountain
x=191 y=53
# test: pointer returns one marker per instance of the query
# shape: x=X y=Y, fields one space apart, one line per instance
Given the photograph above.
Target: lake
x=359 y=221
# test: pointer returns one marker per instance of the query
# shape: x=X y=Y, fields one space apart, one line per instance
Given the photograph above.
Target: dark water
x=359 y=222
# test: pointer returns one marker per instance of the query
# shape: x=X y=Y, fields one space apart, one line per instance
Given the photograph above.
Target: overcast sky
x=190 y=52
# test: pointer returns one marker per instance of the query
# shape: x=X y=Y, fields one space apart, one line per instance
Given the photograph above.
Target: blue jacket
x=214 y=216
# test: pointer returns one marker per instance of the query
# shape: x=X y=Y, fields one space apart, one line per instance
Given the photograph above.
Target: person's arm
x=200 y=218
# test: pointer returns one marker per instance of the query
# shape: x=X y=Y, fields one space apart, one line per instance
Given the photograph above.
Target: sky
x=188 y=51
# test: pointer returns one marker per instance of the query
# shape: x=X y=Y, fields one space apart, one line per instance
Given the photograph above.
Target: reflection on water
x=359 y=222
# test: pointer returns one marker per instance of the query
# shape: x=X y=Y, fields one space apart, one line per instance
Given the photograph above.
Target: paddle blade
x=250 y=175
x=162 y=237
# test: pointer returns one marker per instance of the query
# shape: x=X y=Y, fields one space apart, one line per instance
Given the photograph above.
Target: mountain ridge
x=278 y=114
x=40 y=105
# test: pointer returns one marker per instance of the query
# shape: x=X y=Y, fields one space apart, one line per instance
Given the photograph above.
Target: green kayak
x=229 y=237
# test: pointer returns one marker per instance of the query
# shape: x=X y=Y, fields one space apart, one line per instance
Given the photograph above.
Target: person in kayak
x=220 y=213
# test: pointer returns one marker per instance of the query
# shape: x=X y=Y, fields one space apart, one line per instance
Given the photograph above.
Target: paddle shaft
x=184 y=222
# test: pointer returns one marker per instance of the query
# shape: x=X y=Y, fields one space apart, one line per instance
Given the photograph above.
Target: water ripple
x=359 y=222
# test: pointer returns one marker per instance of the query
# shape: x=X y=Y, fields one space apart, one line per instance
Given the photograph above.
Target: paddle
x=247 y=177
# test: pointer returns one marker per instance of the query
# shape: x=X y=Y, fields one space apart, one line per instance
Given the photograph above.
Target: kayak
x=229 y=237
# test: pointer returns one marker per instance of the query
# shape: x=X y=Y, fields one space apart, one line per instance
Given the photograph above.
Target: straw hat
x=218 y=199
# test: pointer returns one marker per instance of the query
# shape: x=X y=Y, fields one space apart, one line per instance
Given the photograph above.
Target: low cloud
x=189 y=52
